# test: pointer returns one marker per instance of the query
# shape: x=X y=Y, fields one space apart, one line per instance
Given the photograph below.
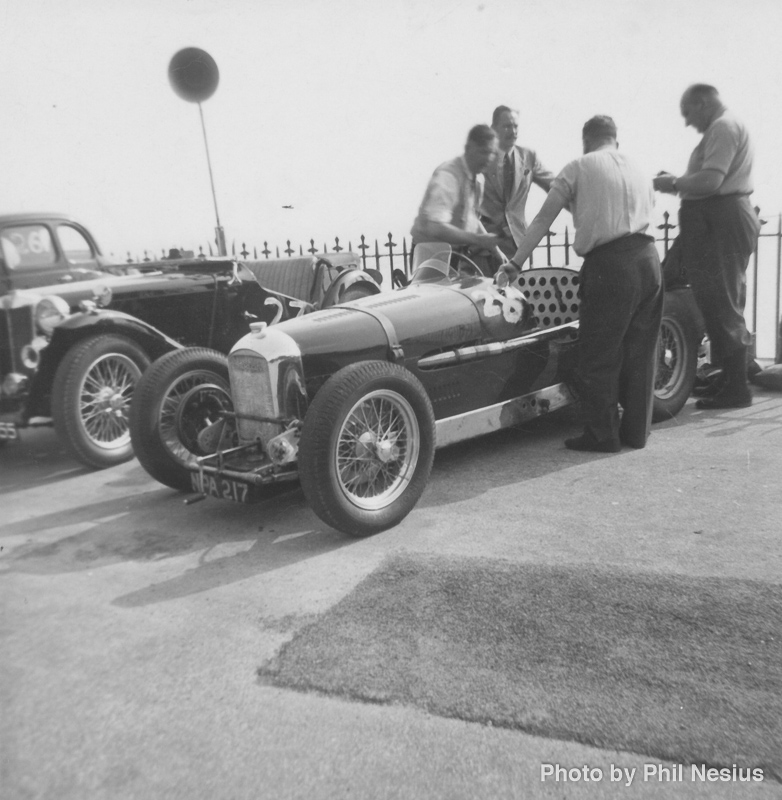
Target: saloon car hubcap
x=105 y=399
x=377 y=450
x=670 y=359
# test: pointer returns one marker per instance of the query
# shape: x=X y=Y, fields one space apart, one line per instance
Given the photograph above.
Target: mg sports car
x=352 y=401
x=72 y=351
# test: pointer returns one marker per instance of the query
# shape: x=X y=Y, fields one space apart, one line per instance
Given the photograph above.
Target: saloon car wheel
x=180 y=394
x=91 y=398
x=677 y=354
x=367 y=447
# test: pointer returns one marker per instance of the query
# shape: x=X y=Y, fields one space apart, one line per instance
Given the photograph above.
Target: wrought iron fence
x=764 y=279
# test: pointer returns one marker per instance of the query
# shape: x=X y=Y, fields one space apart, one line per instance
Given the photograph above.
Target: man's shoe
x=725 y=399
x=735 y=393
x=586 y=443
x=711 y=386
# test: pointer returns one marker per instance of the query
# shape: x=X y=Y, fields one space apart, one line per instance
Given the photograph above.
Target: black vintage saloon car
x=72 y=351
x=41 y=249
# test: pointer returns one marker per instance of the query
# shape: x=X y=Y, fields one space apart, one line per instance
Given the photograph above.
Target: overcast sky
x=342 y=108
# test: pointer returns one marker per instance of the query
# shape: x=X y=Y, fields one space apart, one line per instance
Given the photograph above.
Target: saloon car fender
x=100 y=321
x=81 y=326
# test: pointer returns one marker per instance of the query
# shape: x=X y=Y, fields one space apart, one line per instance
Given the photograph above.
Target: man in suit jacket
x=508 y=182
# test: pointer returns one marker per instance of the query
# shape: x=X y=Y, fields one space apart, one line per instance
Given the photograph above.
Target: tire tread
x=317 y=443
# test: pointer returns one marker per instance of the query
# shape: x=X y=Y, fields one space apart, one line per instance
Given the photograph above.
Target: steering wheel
x=467 y=268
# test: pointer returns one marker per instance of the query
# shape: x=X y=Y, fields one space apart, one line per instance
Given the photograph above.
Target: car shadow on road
x=273 y=550
x=536 y=449
x=764 y=416
x=506 y=458
x=233 y=541
x=36 y=458
x=236 y=542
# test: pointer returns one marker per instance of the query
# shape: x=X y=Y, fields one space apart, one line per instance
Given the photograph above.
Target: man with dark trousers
x=621 y=287
x=718 y=232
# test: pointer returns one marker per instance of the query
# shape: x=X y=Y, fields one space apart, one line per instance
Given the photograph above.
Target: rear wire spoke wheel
x=367 y=447
x=677 y=354
x=669 y=359
x=91 y=398
x=180 y=395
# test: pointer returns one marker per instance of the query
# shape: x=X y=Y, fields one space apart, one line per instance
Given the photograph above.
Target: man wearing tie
x=509 y=180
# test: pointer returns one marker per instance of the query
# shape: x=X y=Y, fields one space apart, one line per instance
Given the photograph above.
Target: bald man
x=718 y=232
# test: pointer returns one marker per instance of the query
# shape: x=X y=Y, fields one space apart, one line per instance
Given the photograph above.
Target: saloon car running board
x=502 y=415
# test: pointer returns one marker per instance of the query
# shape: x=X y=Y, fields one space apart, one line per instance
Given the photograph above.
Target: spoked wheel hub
x=105 y=397
x=377 y=449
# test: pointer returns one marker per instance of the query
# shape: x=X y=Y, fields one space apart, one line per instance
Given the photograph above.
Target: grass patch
x=676 y=667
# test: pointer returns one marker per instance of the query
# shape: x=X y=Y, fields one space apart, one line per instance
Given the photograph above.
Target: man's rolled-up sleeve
x=441 y=198
x=565 y=183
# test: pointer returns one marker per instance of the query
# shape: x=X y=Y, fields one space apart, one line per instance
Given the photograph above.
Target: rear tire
x=367 y=447
x=164 y=435
x=91 y=399
x=681 y=332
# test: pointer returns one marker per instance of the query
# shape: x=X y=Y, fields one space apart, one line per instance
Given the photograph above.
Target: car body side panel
x=427 y=319
x=334 y=338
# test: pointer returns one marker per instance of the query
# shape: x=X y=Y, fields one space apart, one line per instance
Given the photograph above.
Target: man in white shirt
x=621 y=287
x=449 y=211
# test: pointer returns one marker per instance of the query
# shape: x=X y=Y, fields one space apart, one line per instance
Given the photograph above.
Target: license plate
x=8 y=430
x=223 y=488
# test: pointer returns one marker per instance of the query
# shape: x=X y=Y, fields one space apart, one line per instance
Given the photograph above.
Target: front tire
x=681 y=331
x=367 y=447
x=91 y=398
x=165 y=432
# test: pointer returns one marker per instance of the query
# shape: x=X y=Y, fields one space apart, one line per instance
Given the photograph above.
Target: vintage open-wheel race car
x=352 y=401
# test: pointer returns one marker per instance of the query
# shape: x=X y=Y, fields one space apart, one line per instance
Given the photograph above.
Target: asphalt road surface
x=133 y=625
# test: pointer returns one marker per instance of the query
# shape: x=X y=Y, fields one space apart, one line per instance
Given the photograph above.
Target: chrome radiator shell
x=267 y=383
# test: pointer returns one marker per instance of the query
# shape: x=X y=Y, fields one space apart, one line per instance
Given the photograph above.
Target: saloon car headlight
x=49 y=313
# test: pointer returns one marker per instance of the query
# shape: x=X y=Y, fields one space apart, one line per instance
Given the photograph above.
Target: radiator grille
x=251 y=391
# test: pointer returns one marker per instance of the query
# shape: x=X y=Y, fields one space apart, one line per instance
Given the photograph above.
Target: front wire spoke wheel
x=372 y=471
x=367 y=446
x=179 y=396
